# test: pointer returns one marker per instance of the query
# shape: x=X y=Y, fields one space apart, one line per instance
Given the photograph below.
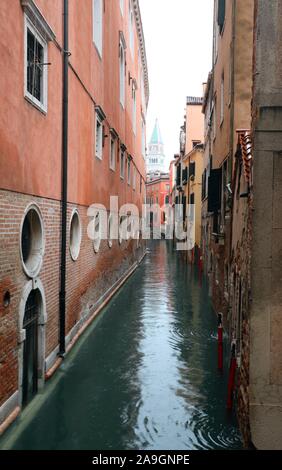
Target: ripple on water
x=148 y=373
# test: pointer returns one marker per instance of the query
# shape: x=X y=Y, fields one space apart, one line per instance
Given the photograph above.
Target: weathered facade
x=189 y=167
x=44 y=196
x=227 y=107
x=157 y=195
x=242 y=200
x=265 y=314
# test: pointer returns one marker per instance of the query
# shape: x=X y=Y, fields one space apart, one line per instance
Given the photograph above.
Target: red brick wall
x=88 y=278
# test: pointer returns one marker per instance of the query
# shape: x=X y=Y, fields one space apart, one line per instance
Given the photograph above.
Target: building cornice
x=160 y=179
x=141 y=39
x=207 y=91
x=192 y=152
x=36 y=17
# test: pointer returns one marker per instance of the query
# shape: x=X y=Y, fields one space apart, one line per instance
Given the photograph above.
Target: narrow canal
x=144 y=376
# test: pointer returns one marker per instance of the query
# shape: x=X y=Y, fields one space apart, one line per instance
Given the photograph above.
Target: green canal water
x=144 y=376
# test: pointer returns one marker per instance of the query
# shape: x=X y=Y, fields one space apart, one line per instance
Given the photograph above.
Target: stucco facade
x=188 y=169
x=158 y=194
x=103 y=160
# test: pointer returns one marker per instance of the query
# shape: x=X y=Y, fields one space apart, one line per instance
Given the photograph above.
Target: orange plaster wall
x=30 y=142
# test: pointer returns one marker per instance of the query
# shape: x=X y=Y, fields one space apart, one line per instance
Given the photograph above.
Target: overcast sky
x=178 y=37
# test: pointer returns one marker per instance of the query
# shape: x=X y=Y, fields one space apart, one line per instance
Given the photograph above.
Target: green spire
x=156 y=136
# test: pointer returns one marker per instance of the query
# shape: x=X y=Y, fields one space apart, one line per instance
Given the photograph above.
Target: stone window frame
x=42 y=104
x=121 y=4
x=42 y=320
x=122 y=164
x=32 y=271
x=98 y=136
x=122 y=69
x=97 y=10
x=131 y=20
x=75 y=247
x=35 y=22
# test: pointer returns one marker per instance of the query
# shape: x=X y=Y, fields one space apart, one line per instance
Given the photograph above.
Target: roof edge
x=140 y=31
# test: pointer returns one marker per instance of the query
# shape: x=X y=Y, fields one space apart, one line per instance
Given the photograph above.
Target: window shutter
x=184 y=208
x=192 y=167
x=185 y=175
x=178 y=176
x=214 y=190
x=221 y=14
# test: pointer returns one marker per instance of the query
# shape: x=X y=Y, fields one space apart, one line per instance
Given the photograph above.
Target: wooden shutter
x=185 y=175
x=178 y=176
x=221 y=14
x=184 y=208
x=214 y=192
x=192 y=167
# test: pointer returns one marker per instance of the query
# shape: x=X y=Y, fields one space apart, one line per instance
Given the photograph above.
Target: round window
x=97 y=233
x=75 y=235
x=32 y=241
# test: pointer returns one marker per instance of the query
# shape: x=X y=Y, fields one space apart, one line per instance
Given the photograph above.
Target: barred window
x=122 y=164
x=35 y=67
x=35 y=59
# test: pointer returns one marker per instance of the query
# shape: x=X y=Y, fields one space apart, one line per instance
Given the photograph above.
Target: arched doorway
x=30 y=347
x=32 y=321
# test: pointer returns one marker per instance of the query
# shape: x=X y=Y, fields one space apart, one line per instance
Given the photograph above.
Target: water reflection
x=145 y=376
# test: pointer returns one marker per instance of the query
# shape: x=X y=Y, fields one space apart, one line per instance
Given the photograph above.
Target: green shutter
x=214 y=193
x=221 y=14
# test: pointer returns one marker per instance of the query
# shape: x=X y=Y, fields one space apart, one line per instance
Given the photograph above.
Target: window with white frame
x=121 y=4
x=134 y=88
x=131 y=28
x=143 y=138
x=222 y=99
x=98 y=25
x=139 y=67
x=122 y=163
x=143 y=100
x=36 y=69
x=112 y=153
x=213 y=117
x=134 y=178
x=215 y=34
x=128 y=172
x=122 y=48
x=99 y=137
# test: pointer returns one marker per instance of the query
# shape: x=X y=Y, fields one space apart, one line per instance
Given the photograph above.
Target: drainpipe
x=62 y=320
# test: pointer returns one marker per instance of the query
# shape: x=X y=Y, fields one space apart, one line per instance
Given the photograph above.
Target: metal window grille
x=31 y=309
x=35 y=63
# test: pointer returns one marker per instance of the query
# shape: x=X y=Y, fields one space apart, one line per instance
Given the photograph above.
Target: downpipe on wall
x=62 y=315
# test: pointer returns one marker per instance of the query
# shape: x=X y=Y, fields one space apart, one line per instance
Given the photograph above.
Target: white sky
x=178 y=36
